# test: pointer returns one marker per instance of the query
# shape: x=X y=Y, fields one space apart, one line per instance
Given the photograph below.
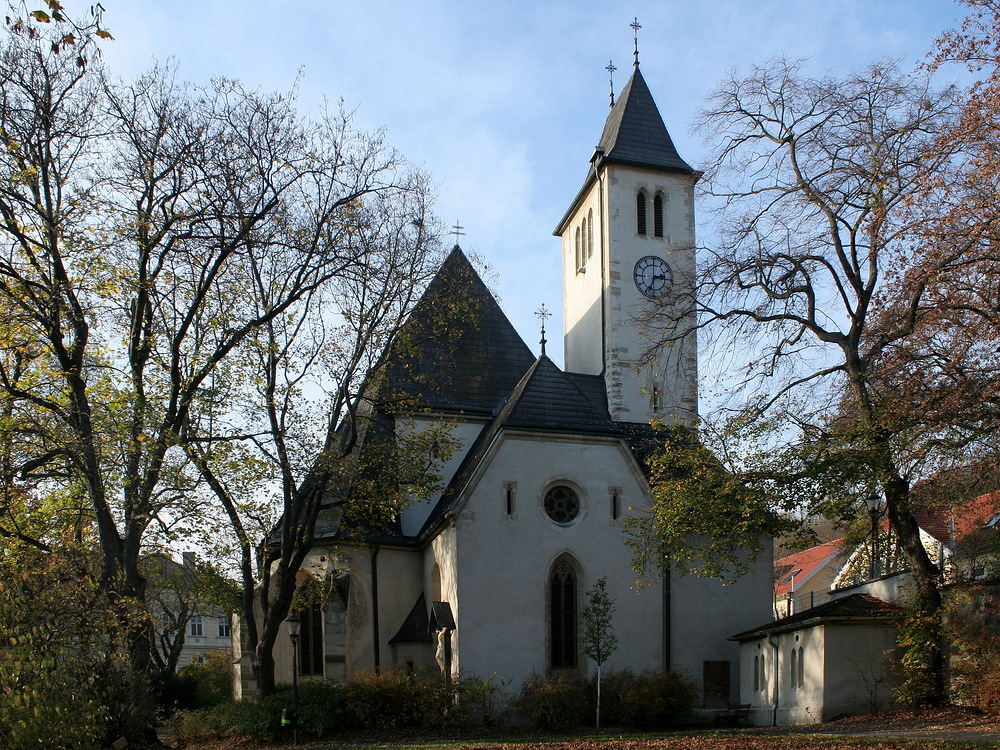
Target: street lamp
x=872 y=501
x=294 y=622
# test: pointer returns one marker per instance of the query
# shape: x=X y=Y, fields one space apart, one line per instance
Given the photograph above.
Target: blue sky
x=503 y=102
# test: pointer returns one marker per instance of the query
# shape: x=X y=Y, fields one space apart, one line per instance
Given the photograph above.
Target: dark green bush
x=656 y=700
x=323 y=707
x=554 y=702
x=200 y=685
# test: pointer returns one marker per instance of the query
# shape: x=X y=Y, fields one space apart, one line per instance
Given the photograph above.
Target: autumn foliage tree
x=184 y=272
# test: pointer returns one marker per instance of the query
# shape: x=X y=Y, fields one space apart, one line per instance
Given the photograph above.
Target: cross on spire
x=543 y=314
x=457 y=231
x=635 y=38
x=611 y=74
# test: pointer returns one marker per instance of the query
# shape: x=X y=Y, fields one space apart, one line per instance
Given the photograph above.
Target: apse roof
x=458 y=351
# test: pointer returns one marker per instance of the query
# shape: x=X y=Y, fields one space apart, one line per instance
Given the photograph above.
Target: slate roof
x=548 y=399
x=458 y=351
x=635 y=134
x=846 y=609
x=416 y=627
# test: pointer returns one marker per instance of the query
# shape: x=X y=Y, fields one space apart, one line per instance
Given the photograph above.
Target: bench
x=732 y=715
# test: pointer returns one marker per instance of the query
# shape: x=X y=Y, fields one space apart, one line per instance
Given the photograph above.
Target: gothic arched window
x=562 y=616
x=658 y=215
x=640 y=212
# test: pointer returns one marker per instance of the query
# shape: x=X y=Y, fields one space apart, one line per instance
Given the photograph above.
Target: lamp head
x=294 y=622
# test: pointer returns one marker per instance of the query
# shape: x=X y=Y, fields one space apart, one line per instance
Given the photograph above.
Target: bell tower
x=628 y=244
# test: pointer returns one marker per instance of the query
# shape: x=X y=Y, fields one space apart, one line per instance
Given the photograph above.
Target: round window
x=561 y=504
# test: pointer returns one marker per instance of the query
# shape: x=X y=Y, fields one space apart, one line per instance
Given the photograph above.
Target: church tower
x=628 y=251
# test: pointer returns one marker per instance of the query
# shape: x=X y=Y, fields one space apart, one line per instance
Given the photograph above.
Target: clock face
x=652 y=276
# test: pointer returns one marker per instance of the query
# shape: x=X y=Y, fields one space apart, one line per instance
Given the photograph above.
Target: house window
x=658 y=215
x=756 y=673
x=562 y=616
x=763 y=673
x=590 y=234
x=640 y=212
x=224 y=629
x=197 y=628
x=562 y=505
x=311 y=640
x=793 y=669
x=802 y=670
x=509 y=498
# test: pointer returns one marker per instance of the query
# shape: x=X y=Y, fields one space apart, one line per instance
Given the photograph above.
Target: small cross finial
x=635 y=38
x=611 y=74
x=457 y=231
x=543 y=314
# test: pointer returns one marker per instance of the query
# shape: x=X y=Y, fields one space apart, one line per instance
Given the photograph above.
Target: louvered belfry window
x=658 y=215
x=640 y=212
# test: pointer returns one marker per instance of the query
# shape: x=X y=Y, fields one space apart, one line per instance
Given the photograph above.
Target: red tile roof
x=796 y=569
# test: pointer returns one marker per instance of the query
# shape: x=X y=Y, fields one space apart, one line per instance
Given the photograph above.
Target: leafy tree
x=186 y=271
x=599 y=639
x=814 y=180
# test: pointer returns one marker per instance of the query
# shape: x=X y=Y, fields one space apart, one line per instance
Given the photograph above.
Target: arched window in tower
x=562 y=616
x=579 y=251
x=640 y=212
x=590 y=234
x=657 y=215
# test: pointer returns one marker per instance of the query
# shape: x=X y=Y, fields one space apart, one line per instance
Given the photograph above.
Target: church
x=489 y=577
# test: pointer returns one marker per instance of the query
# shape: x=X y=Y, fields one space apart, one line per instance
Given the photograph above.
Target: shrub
x=658 y=699
x=323 y=707
x=202 y=685
x=554 y=702
x=486 y=696
x=234 y=719
x=393 y=698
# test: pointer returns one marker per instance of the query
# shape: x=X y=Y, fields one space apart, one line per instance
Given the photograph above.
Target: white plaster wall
x=582 y=289
x=675 y=373
x=504 y=564
x=464 y=432
x=705 y=613
x=760 y=697
x=856 y=673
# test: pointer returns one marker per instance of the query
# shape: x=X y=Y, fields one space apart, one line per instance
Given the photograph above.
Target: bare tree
x=814 y=179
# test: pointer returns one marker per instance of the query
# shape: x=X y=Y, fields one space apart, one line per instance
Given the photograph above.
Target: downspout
x=375 y=634
x=777 y=674
x=667 y=645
